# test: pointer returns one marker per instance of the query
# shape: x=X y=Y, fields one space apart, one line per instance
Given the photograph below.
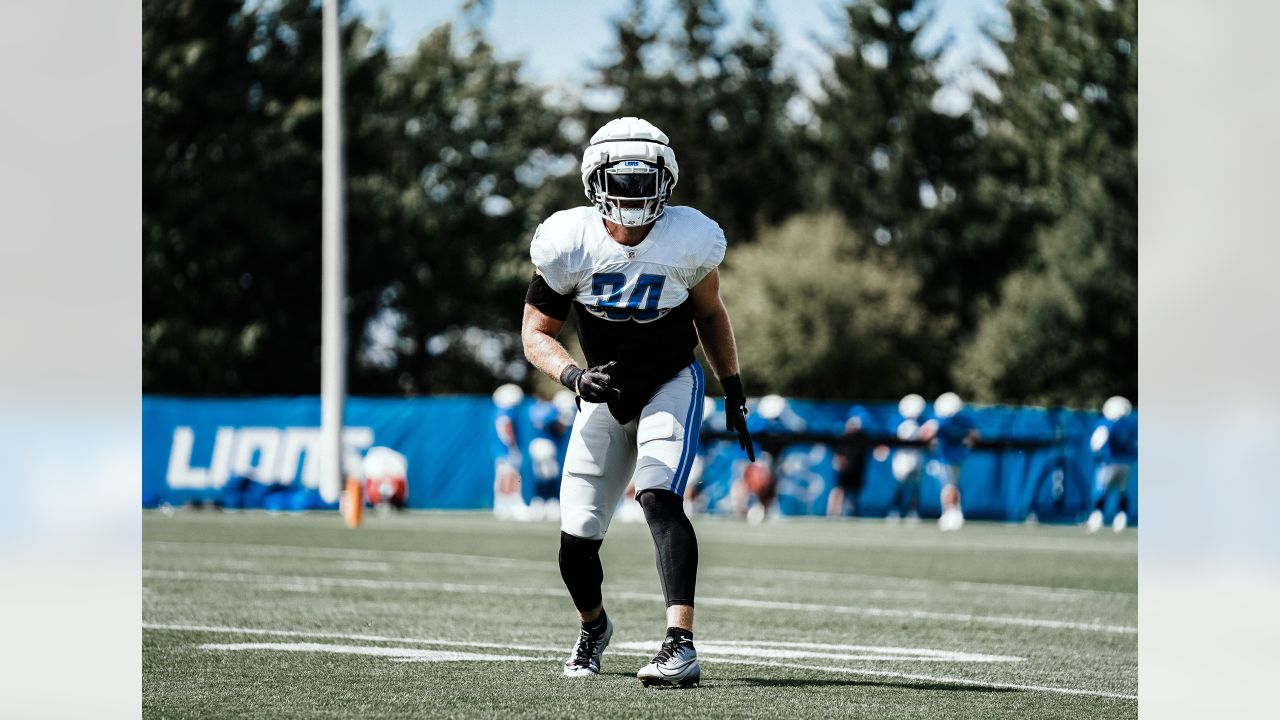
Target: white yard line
x=413 y=654
x=302 y=580
x=265 y=550
x=401 y=652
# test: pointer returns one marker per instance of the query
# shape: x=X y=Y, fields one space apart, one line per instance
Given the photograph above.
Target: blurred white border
x=70 y=280
x=1208 y=342
x=70 y=370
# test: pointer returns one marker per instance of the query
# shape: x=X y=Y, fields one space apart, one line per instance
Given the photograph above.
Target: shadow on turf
x=938 y=686
x=796 y=682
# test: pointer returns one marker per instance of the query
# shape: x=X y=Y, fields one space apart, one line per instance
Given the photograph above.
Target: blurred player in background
x=956 y=432
x=1115 y=447
x=544 y=457
x=508 y=501
x=757 y=487
x=641 y=278
x=908 y=461
x=850 y=464
x=386 y=478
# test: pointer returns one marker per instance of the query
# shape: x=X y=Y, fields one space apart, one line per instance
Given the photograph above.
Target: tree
x=471 y=146
x=445 y=153
x=1067 y=123
x=817 y=313
x=722 y=102
x=231 y=183
x=900 y=170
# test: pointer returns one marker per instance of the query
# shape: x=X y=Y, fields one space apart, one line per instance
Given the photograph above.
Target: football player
x=544 y=457
x=850 y=464
x=773 y=420
x=956 y=432
x=641 y=277
x=907 y=461
x=1115 y=446
x=508 y=500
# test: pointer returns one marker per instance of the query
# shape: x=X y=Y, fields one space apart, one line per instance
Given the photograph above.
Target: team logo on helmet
x=629 y=171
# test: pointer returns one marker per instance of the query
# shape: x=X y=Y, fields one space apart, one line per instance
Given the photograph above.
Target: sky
x=558 y=39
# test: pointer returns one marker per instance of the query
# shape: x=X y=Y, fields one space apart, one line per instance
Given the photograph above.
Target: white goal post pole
x=333 y=376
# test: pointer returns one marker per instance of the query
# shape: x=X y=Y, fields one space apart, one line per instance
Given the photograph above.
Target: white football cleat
x=951 y=520
x=1120 y=521
x=1094 y=524
x=584 y=659
x=675 y=665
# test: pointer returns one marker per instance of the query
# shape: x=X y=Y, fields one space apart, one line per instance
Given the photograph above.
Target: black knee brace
x=580 y=567
x=674 y=544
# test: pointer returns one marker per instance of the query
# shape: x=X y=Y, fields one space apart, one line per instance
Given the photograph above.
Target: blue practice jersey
x=1122 y=440
x=545 y=419
x=499 y=445
x=952 y=432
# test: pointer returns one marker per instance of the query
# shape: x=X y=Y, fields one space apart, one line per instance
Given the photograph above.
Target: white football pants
x=654 y=451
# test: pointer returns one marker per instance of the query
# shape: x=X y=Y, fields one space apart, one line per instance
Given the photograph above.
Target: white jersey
x=639 y=283
x=632 y=301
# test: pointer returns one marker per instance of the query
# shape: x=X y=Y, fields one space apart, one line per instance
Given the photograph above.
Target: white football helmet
x=947 y=404
x=771 y=407
x=508 y=396
x=1115 y=408
x=629 y=160
x=910 y=406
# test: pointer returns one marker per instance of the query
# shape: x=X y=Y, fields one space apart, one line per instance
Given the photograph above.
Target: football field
x=438 y=615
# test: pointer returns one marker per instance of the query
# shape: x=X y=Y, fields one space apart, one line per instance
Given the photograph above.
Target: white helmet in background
x=508 y=396
x=1116 y=407
x=771 y=407
x=911 y=406
x=383 y=462
x=947 y=404
x=629 y=159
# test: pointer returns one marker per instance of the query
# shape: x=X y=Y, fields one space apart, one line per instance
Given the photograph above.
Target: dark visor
x=631 y=185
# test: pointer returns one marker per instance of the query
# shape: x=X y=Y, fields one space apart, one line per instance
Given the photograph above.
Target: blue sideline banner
x=192 y=448
x=261 y=452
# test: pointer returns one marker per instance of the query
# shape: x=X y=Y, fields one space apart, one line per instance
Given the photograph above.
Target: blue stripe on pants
x=692 y=427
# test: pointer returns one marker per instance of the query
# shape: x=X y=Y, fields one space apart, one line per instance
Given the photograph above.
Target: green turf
x=1057 y=606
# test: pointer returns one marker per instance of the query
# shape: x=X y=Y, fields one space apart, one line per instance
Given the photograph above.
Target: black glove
x=593 y=384
x=735 y=413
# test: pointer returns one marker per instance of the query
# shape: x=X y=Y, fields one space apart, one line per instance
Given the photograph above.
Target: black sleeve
x=550 y=302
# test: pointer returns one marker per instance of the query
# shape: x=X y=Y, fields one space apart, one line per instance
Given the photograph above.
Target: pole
x=333 y=379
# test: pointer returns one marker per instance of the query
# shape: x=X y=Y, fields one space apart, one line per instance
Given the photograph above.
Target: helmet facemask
x=641 y=185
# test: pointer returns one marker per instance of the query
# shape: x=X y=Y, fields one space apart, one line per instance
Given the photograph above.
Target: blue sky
x=557 y=39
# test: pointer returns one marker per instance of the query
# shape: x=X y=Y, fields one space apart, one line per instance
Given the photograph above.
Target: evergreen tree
x=818 y=314
x=443 y=152
x=1066 y=126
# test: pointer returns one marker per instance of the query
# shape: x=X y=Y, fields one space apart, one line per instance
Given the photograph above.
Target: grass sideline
x=457 y=615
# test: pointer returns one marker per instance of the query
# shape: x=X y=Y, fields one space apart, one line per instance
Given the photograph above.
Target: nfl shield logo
x=631 y=254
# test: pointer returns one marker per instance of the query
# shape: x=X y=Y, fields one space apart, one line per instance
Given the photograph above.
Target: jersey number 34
x=641 y=305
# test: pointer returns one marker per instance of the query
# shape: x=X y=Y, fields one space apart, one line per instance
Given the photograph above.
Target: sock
x=597 y=626
x=681 y=633
x=674 y=543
